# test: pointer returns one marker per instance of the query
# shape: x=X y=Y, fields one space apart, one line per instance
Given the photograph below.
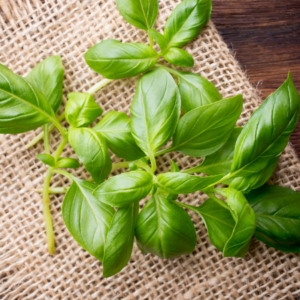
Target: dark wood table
x=265 y=36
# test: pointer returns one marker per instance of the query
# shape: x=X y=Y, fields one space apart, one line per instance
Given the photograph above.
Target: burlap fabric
x=32 y=30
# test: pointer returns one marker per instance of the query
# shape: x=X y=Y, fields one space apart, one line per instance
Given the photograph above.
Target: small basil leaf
x=267 y=132
x=195 y=91
x=219 y=162
x=86 y=218
x=91 y=149
x=22 y=106
x=115 y=127
x=174 y=167
x=179 y=57
x=204 y=130
x=47 y=76
x=81 y=109
x=186 y=21
x=181 y=183
x=244 y=217
x=120 y=238
x=46 y=159
x=66 y=162
x=159 y=38
x=114 y=60
x=165 y=229
x=277 y=211
x=139 y=13
x=155 y=110
x=124 y=189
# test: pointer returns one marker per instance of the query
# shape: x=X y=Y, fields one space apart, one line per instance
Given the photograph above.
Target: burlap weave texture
x=31 y=30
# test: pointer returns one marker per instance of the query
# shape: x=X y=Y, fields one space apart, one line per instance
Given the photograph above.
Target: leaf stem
x=99 y=85
x=150 y=40
x=55 y=190
x=172 y=71
x=164 y=151
x=60 y=148
x=46 y=139
x=220 y=201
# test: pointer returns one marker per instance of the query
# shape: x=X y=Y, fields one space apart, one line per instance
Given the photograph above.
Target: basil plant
x=103 y=214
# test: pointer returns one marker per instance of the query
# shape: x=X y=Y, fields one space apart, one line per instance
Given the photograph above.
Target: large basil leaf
x=115 y=127
x=47 y=76
x=91 y=149
x=159 y=38
x=181 y=183
x=139 y=13
x=120 y=238
x=277 y=211
x=81 y=109
x=124 y=189
x=267 y=132
x=186 y=21
x=244 y=217
x=179 y=57
x=22 y=106
x=86 y=218
x=204 y=130
x=113 y=59
x=165 y=229
x=155 y=110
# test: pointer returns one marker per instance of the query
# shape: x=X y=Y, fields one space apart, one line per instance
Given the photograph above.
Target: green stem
x=58 y=190
x=150 y=40
x=65 y=173
x=164 y=151
x=220 y=201
x=60 y=148
x=99 y=85
x=172 y=71
x=143 y=165
x=46 y=139
x=221 y=191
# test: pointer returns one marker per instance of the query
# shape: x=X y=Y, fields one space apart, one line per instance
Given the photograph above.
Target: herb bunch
x=103 y=214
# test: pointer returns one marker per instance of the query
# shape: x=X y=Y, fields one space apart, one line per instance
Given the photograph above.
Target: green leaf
x=46 y=159
x=91 y=149
x=159 y=38
x=22 y=106
x=164 y=229
x=66 y=162
x=181 y=183
x=179 y=57
x=139 y=13
x=277 y=211
x=47 y=76
x=120 y=238
x=155 y=110
x=124 y=189
x=219 y=162
x=174 y=167
x=115 y=128
x=86 y=218
x=186 y=21
x=267 y=132
x=244 y=216
x=113 y=59
x=204 y=130
x=195 y=91
x=81 y=109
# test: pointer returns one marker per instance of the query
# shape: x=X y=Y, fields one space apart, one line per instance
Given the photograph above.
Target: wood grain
x=265 y=36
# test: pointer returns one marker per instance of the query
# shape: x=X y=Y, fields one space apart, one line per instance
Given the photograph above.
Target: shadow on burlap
x=33 y=30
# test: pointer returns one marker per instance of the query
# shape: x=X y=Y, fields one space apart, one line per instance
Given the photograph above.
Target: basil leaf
x=81 y=109
x=181 y=183
x=219 y=162
x=47 y=76
x=186 y=21
x=174 y=167
x=46 y=159
x=22 y=106
x=204 y=130
x=165 y=229
x=267 y=132
x=120 y=238
x=86 y=218
x=195 y=91
x=277 y=211
x=115 y=127
x=159 y=38
x=179 y=57
x=124 y=189
x=155 y=110
x=139 y=13
x=66 y=162
x=114 y=60
x=91 y=149
x=244 y=216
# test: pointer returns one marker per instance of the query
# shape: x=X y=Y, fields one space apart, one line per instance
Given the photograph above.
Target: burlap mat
x=32 y=30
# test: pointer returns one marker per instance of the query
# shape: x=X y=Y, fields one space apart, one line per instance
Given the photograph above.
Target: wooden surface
x=265 y=36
